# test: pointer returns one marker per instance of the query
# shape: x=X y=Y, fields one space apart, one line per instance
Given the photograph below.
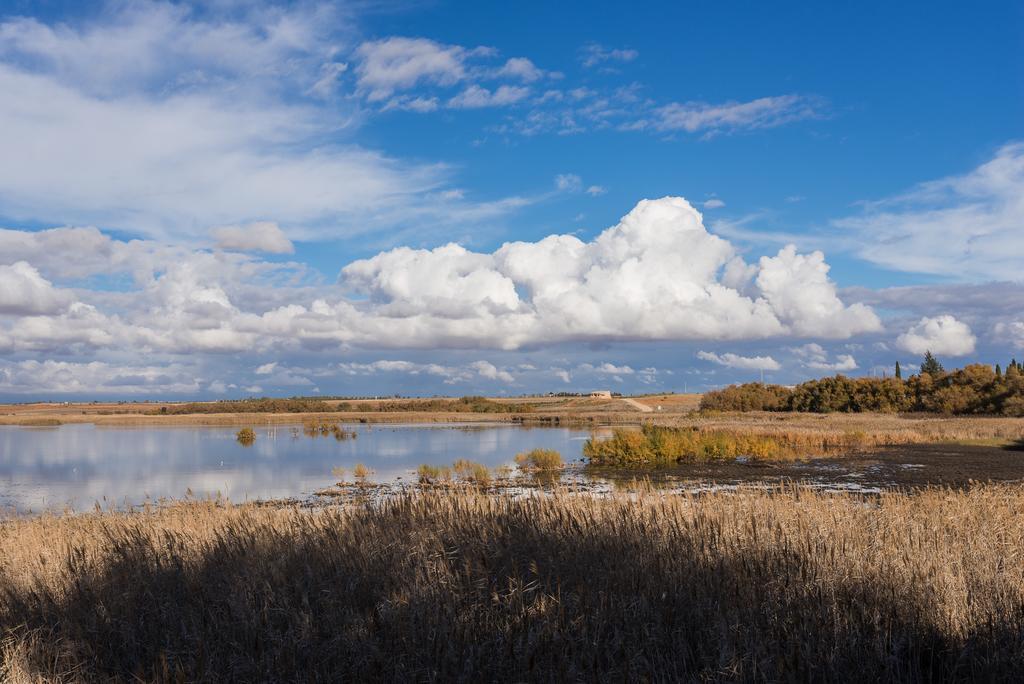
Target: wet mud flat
x=904 y=467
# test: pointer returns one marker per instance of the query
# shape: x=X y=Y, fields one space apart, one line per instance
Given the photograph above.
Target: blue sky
x=232 y=198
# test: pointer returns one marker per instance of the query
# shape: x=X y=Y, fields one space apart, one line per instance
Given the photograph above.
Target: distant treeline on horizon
x=977 y=389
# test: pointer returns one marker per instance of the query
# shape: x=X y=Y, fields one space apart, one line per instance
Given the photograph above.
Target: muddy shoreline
x=911 y=466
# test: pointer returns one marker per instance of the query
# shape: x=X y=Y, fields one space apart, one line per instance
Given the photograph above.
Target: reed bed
x=873 y=429
x=456 y=585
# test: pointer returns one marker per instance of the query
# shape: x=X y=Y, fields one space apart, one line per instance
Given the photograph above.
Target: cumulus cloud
x=521 y=68
x=714 y=203
x=966 y=227
x=488 y=370
x=943 y=335
x=800 y=292
x=23 y=291
x=656 y=275
x=595 y=190
x=731 y=360
x=813 y=355
x=261 y=236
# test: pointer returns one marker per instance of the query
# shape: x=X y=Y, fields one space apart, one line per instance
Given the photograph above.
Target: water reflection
x=77 y=465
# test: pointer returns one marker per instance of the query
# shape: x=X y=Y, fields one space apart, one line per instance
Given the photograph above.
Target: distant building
x=602 y=394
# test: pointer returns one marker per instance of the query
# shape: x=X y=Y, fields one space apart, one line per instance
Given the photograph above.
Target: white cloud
x=813 y=355
x=568 y=182
x=418 y=104
x=61 y=377
x=328 y=81
x=1010 y=331
x=562 y=375
x=595 y=190
x=475 y=96
x=398 y=63
x=195 y=120
x=261 y=236
x=714 y=203
x=594 y=54
x=153 y=46
x=731 y=360
x=606 y=368
x=967 y=227
x=943 y=335
x=488 y=370
x=24 y=292
x=656 y=275
x=521 y=68
x=267 y=368
x=450 y=374
x=765 y=112
x=800 y=292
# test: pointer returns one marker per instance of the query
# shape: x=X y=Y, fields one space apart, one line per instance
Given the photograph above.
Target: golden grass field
x=455 y=585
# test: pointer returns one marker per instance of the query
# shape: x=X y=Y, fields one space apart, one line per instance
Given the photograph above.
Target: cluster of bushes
x=264 y=405
x=654 y=445
x=974 y=389
x=306 y=405
x=752 y=396
x=462 y=405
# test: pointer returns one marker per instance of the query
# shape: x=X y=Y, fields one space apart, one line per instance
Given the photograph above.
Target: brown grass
x=870 y=429
x=457 y=586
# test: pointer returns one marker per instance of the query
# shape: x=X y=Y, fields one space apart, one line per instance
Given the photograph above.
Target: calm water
x=78 y=465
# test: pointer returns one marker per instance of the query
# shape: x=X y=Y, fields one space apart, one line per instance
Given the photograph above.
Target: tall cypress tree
x=999 y=371
x=899 y=375
x=931 y=365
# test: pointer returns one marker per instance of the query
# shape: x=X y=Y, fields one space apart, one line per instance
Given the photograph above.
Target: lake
x=78 y=465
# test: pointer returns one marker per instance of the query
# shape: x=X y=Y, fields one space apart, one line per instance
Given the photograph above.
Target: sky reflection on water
x=78 y=465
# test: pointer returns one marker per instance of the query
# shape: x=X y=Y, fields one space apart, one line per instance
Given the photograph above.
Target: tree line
x=974 y=389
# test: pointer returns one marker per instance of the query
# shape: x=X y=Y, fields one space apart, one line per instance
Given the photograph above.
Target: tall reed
x=442 y=585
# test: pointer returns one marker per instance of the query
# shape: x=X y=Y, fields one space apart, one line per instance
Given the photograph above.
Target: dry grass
x=773 y=585
x=38 y=422
x=539 y=459
x=780 y=437
x=867 y=429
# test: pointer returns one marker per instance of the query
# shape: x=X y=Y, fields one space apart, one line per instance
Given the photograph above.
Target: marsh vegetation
x=246 y=436
x=455 y=585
